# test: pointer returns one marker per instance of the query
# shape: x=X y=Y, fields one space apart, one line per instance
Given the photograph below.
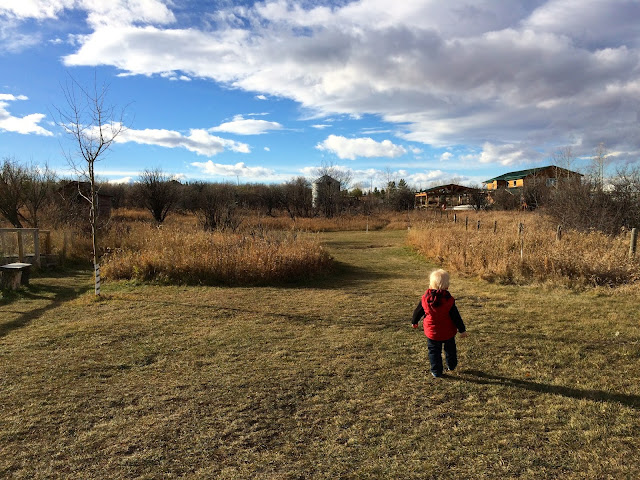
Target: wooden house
x=444 y=196
x=549 y=176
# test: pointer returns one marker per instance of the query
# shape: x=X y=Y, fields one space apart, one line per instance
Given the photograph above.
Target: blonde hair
x=439 y=280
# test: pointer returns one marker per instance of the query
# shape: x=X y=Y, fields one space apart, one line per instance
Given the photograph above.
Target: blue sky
x=424 y=90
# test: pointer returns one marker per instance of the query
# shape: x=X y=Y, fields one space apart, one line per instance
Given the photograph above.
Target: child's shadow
x=482 y=378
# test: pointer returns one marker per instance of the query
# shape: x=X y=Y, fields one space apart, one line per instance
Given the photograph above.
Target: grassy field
x=320 y=380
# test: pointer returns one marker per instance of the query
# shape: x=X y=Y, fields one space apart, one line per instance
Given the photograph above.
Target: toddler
x=441 y=322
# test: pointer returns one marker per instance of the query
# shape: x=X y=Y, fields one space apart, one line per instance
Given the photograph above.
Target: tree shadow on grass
x=482 y=378
x=55 y=295
x=342 y=275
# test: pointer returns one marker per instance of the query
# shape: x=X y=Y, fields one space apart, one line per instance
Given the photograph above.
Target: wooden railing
x=21 y=232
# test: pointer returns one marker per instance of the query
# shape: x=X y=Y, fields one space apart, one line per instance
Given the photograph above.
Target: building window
x=552 y=182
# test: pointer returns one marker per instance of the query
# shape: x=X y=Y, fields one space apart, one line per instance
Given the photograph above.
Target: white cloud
x=261 y=97
x=198 y=141
x=431 y=177
x=470 y=72
x=13 y=40
x=446 y=156
x=508 y=154
x=321 y=126
x=23 y=125
x=237 y=170
x=121 y=181
x=98 y=12
x=246 y=126
x=352 y=148
x=267 y=149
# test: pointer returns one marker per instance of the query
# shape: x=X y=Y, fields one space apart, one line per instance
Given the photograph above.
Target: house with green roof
x=549 y=176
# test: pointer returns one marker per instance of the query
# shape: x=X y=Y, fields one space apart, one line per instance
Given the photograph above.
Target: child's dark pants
x=435 y=354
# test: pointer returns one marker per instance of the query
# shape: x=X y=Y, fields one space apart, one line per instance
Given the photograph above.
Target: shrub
x=173 y=255
x=579 y=258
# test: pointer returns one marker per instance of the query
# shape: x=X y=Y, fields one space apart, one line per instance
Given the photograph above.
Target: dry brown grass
x=342 y=223
x=578 y=259
x=176 y=255
x=250 y=220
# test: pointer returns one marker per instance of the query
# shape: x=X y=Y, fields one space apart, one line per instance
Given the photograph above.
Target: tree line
x=28 y=192
x=31 y=193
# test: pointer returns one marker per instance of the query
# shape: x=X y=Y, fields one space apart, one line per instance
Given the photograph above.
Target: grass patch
x=321 y=380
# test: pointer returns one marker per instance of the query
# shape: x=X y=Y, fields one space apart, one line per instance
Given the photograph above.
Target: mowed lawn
x=320 y=380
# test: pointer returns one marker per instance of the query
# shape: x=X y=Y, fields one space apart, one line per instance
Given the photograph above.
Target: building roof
x=326 y=179
x=517 y=175
x=450 y=188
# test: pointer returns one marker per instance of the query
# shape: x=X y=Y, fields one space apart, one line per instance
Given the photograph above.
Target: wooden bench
x=14 y=274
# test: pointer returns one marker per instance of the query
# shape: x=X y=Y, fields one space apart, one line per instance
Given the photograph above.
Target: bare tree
x=158 y=192
x=563 y=158
x=598 y=164
x=214 y=205
x=342 y=175
x=296 y=197
x=37 y=190
x=93 y=125
x=13 y=178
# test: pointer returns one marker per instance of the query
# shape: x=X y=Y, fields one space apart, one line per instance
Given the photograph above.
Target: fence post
x=3 y=247
x=20 y=247
x=36 y=247
x=521 y=234
x=478 y=225
x=634 y=241
x=455 y=218
x=559 y=233
x=65 y=240
x=495 y=226
x=47 y=243
x=466 y=223
x=97 y=278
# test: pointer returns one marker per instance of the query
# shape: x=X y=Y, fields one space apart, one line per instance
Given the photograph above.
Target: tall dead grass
x=535 y=255
x=191 y=256
x=250 y=220
x=342 y=223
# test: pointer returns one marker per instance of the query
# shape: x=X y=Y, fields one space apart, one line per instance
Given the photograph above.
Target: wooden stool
x=14 y=275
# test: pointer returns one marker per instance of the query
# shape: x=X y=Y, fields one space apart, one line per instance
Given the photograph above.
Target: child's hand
x=414 y=325
x=463 y=334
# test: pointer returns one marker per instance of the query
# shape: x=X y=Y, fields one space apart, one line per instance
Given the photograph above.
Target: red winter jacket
x=438 y=324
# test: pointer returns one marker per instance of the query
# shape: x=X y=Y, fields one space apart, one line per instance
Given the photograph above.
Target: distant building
x=73 y=197
x=324 y=191
x=450 y=195
x=549 y=176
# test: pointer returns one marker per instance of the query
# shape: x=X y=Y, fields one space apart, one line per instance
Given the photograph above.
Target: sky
x=261 y=92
